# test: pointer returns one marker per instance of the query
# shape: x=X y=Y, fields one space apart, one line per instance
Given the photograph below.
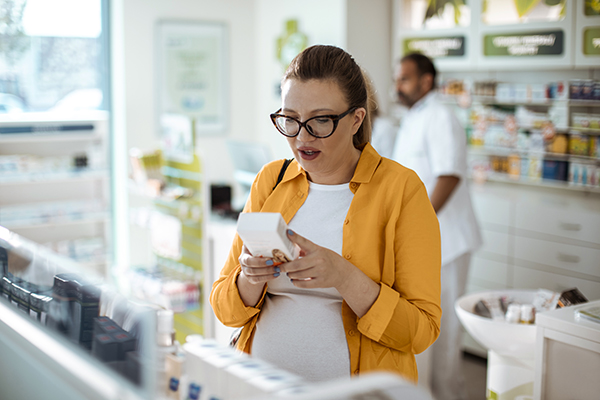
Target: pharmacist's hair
x=332 y=63
x=424 y=65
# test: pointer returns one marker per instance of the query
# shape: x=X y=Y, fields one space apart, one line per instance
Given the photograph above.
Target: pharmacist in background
x=432 y=142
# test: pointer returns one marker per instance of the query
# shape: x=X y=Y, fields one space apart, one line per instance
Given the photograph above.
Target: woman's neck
x=342 y=175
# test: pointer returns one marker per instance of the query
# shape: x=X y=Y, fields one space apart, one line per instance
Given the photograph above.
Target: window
x=508 y=12
x=435 y=14
x=52 y=56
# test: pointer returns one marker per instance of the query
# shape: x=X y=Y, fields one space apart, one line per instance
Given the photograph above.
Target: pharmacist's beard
x=405 y=100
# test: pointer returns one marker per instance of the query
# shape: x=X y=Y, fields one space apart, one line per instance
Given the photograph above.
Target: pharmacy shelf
x=546 y=183
x=507 y=151
x=49 y=137
x=39 y=223
x=492 y=100
x=55 y=177
x=584 y=131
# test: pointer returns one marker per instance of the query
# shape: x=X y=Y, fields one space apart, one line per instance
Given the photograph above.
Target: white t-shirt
x=301 y=330
x=432 y=143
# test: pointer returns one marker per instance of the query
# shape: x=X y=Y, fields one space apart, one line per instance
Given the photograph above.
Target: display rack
x=55 y=183
x=582 y=170
x=174 y=276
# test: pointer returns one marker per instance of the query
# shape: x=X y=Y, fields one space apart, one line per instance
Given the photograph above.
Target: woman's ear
x=359 y=116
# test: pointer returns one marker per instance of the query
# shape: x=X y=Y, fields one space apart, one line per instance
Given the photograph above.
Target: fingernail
x=290 y=232
x=269 y=262
x=276 y=274
x=277 y=269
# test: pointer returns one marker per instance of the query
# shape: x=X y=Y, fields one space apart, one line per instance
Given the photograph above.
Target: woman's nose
x=304 y=136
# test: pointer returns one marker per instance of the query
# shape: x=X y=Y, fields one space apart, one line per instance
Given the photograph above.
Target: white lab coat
x=383 y=136
x=432 y=142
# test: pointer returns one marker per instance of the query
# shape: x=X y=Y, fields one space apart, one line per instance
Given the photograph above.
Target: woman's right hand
x=258 y=270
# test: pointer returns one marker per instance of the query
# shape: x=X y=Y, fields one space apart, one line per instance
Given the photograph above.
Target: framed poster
x=192 y=74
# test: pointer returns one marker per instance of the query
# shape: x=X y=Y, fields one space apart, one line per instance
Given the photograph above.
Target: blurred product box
x=558 y=90
x=537 y=93
x=559 y=144
x=587 y=89
x=555 y=170
x=514 y=166
x=272 y=382
x=579 y=145
x=238 y=376
x=215 y=366
x=522 y=92
x=559 y=116
x=585 y=120
x=575 y=89
x=586 y=174
x=593 y=147
x=596 y=93
x=195 y=366
x=505 y=92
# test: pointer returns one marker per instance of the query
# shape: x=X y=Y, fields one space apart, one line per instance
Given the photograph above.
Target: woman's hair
x=332 y=63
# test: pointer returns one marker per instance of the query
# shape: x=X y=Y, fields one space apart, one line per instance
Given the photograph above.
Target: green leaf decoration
x=552 y=2
x=436 y=7
x=524 y=6
x=592 y=7
x=457 y=11
x=563 y=11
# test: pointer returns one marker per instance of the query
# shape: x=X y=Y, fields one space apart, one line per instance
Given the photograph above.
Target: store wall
x=139 y=21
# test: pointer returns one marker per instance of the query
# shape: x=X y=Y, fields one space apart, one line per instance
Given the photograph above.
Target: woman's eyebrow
x=318 y=110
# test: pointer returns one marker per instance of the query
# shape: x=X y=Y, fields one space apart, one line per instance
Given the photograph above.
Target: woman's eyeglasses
x=321 y=126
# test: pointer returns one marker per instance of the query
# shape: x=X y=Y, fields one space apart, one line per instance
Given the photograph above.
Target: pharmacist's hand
x=317 y=267
x=258 y=270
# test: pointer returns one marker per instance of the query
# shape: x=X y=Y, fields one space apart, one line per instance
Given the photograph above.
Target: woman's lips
x=308 y=154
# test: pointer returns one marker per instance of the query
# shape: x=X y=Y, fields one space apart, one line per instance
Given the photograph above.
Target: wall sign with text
x=591 y=41
x=436 y=47
x=529 y=44
x=192 y=73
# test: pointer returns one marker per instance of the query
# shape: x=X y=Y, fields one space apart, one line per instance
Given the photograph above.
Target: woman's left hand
x=317 y=267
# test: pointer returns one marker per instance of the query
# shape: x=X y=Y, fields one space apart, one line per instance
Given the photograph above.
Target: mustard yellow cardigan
x=391 y=233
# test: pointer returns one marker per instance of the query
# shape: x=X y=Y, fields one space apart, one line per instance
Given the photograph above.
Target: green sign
x=528 y=44
x=591 y=42
x=436 y=47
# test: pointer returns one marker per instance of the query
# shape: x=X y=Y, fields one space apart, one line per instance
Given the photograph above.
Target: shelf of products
x=531 y=134
x=65 y=163
x=67 y=175
x=167 y=208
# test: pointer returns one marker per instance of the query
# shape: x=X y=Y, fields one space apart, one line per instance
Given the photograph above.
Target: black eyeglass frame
x=334 y=118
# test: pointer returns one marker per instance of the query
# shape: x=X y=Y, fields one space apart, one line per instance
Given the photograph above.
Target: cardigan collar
x=367 y=164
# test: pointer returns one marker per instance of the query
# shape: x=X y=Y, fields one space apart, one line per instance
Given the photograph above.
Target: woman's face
x=330 y=160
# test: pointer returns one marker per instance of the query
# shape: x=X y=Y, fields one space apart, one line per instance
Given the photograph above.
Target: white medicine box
x=264 y=234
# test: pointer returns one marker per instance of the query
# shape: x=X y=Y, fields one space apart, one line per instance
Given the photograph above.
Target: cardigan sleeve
x=406 y=315
x=225 y=297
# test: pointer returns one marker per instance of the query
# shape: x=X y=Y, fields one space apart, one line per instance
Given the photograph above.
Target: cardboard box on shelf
x=579 y=145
